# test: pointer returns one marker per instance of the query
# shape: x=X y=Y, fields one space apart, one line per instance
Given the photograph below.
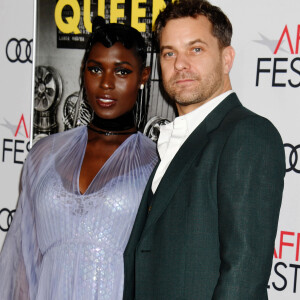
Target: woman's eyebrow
x=123 y=63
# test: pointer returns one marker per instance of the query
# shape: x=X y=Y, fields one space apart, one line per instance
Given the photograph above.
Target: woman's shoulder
x=63 y=136
x=49 y=145
x=146 y=142
x=147 y=147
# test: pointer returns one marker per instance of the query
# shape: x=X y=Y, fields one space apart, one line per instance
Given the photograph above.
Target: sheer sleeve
x=20 y=257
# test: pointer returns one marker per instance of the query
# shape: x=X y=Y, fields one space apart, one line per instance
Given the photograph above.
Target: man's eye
x=169 y=54
x=95 y=69
x=123 y=72
x=197 y=50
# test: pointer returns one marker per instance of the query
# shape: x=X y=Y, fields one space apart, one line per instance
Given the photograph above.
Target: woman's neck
x=119 y=124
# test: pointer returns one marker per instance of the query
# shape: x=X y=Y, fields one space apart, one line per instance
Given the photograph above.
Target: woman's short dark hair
x=221 y=26
x=111 y=33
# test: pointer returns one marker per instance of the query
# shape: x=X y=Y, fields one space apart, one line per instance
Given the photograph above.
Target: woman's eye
x=95 y=70
x=123 y=72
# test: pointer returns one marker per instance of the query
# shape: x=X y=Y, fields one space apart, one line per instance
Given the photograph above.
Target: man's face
x=192 y=63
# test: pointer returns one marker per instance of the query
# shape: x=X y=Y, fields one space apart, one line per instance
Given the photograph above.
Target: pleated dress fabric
x=66 y=245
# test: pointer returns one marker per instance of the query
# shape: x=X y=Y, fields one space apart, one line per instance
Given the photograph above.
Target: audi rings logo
x=19 y=50
x=6 y=217
x=292 y=161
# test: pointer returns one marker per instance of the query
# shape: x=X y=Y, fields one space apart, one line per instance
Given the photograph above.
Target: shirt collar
x=195 y=117
x=184 y=125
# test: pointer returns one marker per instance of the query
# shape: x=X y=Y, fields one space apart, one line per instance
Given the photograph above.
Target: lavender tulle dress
x=66 y=245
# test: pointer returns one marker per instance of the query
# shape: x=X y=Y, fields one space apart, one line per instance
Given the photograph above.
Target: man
x=208 y=218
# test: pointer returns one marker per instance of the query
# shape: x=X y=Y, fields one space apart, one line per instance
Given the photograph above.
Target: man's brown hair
x=221 y=26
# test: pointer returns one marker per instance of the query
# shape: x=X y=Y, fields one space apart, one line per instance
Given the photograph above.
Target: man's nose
x=181 y=62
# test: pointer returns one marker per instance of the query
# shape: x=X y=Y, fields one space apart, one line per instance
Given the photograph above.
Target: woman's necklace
x=111 y=132
x=117 y=126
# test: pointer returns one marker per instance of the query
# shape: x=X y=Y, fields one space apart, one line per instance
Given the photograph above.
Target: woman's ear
x=145 y=75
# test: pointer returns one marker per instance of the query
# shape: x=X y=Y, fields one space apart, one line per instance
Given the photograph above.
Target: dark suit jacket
x=211 y=228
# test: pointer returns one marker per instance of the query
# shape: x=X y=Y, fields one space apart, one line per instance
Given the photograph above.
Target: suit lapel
x=184 y=158
x=141 y=216
x=174 y=174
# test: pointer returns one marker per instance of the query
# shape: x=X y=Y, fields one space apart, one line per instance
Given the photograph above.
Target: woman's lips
x=106 y=102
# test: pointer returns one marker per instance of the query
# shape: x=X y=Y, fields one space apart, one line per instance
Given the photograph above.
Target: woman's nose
x=107 y=81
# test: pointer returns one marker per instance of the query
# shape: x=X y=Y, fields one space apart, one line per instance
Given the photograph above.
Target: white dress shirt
x=174 y=134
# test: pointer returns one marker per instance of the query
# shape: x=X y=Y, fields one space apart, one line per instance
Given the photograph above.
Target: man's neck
x=185 y=109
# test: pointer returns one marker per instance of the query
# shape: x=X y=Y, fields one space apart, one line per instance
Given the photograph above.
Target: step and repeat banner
x=265 y=75
x=16 y=58
x=60 y=42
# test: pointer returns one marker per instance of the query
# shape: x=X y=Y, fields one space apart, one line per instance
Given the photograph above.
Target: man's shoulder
x=239 y=115
x=244 y=123
x=244 y=126
x=244 y=117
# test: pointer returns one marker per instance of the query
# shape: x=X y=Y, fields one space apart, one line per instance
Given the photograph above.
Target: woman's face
x=112 y=78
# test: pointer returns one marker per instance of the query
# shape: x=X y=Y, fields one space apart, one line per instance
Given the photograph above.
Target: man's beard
x=203 y=91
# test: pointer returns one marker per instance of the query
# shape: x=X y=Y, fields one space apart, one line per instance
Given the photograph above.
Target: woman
x=81 y=188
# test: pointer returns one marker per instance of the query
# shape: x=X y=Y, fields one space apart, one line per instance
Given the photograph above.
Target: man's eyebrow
x=165 y=47
x=196 y=41
x=188 y=44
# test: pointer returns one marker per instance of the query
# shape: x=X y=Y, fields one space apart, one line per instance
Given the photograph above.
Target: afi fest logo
x=14 y=149
x=280 y=71
x=285 y=275
x=116 y=11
